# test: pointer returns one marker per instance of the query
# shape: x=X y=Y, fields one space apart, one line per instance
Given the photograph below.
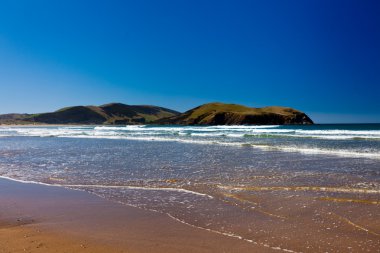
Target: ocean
x=254 y=183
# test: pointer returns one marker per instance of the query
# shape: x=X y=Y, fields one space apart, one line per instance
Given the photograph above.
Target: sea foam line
x=152 y=134
x=316 y=151
x=233 y=236
x=112 y=187
x=300 y=188
x=344 y=219
x=27 y=181
x=137 y=188
x=305 y=150
x=202 y=228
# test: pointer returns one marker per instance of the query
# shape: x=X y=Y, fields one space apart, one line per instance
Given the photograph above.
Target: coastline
x=41 y=218
x=244 y=200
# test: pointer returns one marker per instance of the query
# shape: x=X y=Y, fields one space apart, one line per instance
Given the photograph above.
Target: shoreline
x=43 y=218
x=78 y=194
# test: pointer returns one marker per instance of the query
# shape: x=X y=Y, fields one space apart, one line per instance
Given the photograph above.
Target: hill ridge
x=111 y=113
x=215 y=113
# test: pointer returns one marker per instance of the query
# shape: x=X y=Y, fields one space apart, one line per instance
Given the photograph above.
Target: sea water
x=243 y=181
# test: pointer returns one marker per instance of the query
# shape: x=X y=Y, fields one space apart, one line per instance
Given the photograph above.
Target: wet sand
x=40 y=218
x=312 y=219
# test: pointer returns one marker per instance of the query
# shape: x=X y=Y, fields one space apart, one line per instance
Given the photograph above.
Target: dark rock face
x=276 y=119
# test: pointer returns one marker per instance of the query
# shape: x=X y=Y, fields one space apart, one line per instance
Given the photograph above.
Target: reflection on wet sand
x=320 y=219
x=282 y=201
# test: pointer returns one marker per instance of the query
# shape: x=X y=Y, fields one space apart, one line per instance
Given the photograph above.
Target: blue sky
x=321 y=57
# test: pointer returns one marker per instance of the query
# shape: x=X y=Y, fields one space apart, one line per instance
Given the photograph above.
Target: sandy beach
x=39 y=218
x=106 y=195
x=189 y=126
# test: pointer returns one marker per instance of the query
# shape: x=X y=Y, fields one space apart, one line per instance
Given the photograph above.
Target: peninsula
x=122 y=114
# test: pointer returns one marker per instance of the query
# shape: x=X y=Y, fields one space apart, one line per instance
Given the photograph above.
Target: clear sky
x=318 y=56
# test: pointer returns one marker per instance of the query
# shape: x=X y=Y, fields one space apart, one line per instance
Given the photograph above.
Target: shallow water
x=217 y=182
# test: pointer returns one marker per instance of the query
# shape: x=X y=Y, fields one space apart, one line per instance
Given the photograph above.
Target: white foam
x=233 y=236
x=206 y=131
x=210 y=135
x=111 y=187
x=26 y=181
x=137 y=188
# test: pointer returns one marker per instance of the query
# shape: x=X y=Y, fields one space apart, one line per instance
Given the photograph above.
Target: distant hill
x=114 y=113
x=232 y=114
x=122 y=114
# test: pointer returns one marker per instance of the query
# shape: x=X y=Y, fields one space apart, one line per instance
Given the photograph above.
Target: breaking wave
x=341 y=140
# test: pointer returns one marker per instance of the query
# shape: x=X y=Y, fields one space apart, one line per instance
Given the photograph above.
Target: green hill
x=114 y=113
x=207 y=114
x=232 y=114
